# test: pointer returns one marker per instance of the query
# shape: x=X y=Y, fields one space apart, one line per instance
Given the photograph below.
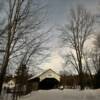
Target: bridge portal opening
x=48 y=83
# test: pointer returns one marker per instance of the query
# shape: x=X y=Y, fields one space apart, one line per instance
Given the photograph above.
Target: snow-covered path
x=67 y=94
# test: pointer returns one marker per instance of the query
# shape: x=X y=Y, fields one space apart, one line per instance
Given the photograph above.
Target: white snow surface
x=66 y=94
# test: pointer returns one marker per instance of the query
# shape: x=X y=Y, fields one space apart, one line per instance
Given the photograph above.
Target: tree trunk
x=2 y=75
x=81 y=77
x=81 y=81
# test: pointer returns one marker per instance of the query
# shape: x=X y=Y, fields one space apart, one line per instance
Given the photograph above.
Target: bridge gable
x=49 y=74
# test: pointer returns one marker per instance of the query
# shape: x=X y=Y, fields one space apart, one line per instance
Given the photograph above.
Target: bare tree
x=76 y=33
x=96 y=52
x=95 y=58
x=97 y=41
x=89 y=66
x=22 y=21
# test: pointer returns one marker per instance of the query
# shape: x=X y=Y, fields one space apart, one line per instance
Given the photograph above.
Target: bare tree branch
x=78 y=30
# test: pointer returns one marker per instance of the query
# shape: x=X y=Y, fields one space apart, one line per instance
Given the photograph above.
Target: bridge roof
x=47 y=74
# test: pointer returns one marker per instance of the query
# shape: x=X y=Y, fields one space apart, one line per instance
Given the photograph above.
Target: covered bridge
x=49 y=79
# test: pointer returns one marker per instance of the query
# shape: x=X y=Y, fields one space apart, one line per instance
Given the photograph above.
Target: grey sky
x=58 y=13
x=59 y=9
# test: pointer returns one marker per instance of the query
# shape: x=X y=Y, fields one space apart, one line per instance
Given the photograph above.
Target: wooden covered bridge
x=49 y=79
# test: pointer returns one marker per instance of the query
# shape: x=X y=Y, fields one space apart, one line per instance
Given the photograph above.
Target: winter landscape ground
x=66 y=94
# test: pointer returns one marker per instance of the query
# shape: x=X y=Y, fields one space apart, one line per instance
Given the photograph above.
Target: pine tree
x=22 y=76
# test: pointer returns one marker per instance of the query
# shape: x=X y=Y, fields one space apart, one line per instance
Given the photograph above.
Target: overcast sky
x=57 y=15
x=58 y=9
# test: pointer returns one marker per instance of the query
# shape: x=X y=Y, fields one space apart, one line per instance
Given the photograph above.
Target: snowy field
x=67 y=94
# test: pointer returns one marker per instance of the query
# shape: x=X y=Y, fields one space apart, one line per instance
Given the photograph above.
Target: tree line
x=81 y=27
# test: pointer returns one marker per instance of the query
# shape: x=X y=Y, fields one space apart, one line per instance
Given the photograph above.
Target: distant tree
x=97 y=41
x=75 y=34
x=96 y=61
x=88 y=67
x=22 y=75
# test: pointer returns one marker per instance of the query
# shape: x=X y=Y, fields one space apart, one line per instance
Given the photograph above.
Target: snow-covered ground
x=66 y=94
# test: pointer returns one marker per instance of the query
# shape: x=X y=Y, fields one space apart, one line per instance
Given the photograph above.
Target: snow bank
x=66 y=94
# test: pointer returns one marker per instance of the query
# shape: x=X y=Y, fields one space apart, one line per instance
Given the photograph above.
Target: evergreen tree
x=22 y=76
